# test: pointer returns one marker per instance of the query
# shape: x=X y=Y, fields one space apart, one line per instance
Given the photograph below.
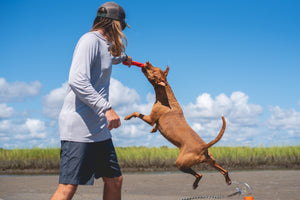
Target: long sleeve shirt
x=82 y=116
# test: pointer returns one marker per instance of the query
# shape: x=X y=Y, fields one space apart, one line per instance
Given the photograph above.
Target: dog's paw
x=127 y=117
x=227 y=179
x=195 y=185
x=154 y=129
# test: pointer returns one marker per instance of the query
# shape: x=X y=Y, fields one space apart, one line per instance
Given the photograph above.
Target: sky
x=237 y=58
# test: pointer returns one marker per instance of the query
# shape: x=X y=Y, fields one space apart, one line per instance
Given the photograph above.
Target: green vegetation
x=227 y=157
x=143 y=157
x=35 y=158
x=162 y=158
x=247 y=157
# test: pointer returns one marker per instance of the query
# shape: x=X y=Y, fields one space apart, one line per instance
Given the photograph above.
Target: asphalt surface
x=273 y=185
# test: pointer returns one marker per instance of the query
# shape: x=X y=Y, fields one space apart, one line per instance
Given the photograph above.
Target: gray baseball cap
x=113 y=11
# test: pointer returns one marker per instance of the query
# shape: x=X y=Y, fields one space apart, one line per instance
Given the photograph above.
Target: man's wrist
x=126 y=57
x=109 y=108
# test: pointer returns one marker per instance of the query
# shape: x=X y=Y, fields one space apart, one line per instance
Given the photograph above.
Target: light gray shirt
x=82 y=116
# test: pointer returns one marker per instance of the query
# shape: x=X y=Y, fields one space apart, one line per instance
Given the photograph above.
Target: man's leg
x=112 y=188
x=64 y=192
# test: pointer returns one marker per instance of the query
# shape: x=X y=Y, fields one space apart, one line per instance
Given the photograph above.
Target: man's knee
x=68 y=189
x=114 y=182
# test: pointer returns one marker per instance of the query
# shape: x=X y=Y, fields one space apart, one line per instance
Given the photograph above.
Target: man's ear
x=166 y=71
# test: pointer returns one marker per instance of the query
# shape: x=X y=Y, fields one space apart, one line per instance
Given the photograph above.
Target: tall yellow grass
x=139 y=158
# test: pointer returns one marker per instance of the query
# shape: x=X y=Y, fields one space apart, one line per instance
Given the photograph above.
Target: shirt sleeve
x=80 y=75
x=116 y=60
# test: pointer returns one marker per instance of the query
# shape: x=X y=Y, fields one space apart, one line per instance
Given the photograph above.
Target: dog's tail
x=219 y=136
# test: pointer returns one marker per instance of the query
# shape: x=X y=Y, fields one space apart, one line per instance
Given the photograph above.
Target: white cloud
x=244 y=126
x=204 y=117
x=135 y=132
x=53 y=102
x=5 y=126
x=36 y=128
x=284 y=119
x=18 y=91
x=31 y=129
x=241 y=117
x=125 y=100
x=243 y=112
x=5 y=111
x=235 y=107
x=120 y=95
x=25 y=133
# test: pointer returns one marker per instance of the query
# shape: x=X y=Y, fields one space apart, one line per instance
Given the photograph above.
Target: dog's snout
x=143 y=70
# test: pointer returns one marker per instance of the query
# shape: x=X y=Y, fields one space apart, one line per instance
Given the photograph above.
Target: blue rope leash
x=242 y=188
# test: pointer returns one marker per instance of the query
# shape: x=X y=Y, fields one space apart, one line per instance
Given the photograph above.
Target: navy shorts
x=81 y=162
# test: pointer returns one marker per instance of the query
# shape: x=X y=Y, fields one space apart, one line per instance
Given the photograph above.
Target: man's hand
x=113 y=119
x=129 y=60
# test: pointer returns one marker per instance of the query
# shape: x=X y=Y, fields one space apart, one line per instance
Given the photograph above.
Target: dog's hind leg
x=184 y=164
x=224 y=172
x=197 y=175
x=211 y=161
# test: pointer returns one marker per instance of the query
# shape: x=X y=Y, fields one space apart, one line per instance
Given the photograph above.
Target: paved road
x=273 y=185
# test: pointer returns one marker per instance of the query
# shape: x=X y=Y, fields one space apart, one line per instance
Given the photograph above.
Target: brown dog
x=168 y=118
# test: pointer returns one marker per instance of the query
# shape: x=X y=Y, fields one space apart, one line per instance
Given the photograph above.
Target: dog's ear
x=166 y=71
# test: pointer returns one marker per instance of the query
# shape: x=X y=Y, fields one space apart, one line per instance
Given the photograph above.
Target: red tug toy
x=138 y=64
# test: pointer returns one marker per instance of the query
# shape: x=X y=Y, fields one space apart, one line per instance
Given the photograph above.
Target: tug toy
x=138 y=64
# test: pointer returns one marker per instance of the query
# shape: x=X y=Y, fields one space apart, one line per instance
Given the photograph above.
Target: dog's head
x=155 y=75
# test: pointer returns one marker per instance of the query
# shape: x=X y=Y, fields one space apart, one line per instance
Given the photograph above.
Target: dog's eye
x=156 y=73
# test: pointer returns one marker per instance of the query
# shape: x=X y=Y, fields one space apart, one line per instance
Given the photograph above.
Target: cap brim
x=124 y=25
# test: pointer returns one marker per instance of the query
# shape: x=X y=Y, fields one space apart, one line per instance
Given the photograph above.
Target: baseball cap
x=113 y=11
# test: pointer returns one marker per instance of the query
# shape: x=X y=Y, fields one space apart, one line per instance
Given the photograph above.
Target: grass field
x=162 y=158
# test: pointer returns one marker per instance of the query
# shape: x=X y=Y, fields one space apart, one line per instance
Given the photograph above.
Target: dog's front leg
x=135 y=114
x=145 y=118
x=154 y=129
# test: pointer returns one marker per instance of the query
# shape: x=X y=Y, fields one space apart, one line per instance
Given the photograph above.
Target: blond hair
x=114 y=32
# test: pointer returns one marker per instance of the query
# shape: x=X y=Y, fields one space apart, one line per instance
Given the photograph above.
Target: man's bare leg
x=64 y=192
x=112 y=188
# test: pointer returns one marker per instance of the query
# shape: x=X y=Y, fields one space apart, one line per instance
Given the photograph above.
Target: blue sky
x=237 y=58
